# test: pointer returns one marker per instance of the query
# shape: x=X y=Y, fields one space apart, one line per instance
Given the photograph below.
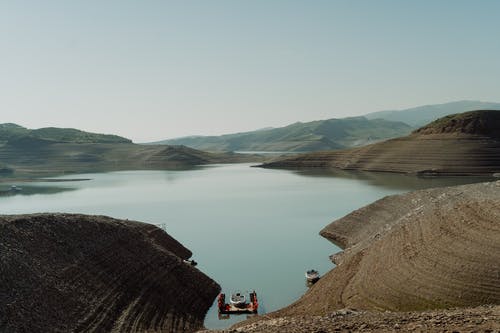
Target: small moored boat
x=15 y=188
x=238 y=300
x=312 y=275
x=190 y=262
x=238 y=303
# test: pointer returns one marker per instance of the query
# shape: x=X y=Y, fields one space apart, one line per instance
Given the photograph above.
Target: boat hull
x=230 y=308
x=312 y=276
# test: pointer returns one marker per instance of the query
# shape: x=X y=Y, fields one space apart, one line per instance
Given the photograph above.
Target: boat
x=238 y=300
x=15 y=188
x=238 y=303
x=312 y=275
x=190 y=262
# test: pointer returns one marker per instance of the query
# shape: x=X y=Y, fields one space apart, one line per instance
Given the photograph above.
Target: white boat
x=190 y=262
x=15 y=188
x=238 y=299
x=312 y=275
x=237 y=304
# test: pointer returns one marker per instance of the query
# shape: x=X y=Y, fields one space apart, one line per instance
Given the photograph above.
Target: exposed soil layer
x=479 y=319
x=79 y=273
x=463 y=144
x=484 y=122
x=429 y=250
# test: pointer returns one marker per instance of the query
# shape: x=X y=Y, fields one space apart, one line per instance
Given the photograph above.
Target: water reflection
x=15 y=190
x=248 y=228
x=394 y=181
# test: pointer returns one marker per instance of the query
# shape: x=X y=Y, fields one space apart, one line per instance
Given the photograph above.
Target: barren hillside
x=78 y=273
x=427 y=249
x=462 y=144
x=435 y=251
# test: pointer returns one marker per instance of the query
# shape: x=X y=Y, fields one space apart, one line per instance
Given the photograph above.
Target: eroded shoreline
x=433 y=250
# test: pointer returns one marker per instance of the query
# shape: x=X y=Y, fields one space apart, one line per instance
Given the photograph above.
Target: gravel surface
x=479 y=319
x=80 y=273
x=407 y=259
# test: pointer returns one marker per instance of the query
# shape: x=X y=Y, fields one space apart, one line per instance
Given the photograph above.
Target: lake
x=248 y=228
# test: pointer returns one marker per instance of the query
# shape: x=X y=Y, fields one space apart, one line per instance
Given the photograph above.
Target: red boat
x=238 y=303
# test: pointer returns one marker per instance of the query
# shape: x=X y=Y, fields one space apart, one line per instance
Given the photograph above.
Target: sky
x=151 y=70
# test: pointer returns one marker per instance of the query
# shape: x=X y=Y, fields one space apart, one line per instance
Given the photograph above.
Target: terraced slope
x=427 y=249
x=77 y=273
x=462 y=144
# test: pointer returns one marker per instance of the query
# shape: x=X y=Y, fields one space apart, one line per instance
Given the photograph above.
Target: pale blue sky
x=151 y=70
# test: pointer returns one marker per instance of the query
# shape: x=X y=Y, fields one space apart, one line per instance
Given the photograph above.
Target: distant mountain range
x=311 y=136
x=331 y=134
x=419 y=116
x=65 y=150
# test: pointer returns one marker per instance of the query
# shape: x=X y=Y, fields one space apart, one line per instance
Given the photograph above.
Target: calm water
x=248 y=228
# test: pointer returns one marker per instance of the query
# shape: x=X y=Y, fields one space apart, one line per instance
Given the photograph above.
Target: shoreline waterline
x=248 y=228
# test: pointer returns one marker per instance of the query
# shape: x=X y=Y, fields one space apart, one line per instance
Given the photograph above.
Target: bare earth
x=479 y=319
x=80 y=273
x=416 y=154
x=463 y=144
x=417 y=255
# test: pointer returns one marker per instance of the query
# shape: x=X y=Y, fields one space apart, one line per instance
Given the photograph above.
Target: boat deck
x=228 y=308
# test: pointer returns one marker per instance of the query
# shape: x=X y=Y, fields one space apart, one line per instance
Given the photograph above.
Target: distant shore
x=44 y=180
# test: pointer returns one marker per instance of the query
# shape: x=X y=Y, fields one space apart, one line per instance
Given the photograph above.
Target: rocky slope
x=462 y=144
x=478 y=319
x=428 y=250
x=77 y=273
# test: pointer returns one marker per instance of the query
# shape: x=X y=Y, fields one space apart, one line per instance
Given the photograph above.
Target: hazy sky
x=151 y=70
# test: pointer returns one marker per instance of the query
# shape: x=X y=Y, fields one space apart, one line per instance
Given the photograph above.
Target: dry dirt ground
x=479 y=319
x=80 y=273
x=407 y=258
x=462 y=144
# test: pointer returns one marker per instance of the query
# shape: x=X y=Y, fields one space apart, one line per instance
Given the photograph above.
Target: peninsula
x=57 y=151
x=460 y=144
x=423 y=261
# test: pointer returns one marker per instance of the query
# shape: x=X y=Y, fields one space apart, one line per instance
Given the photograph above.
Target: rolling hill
x=299 y=137
x=424 y=261
x=419 y=116
x=10 y=132
x=461 y=144
x=55 y=151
